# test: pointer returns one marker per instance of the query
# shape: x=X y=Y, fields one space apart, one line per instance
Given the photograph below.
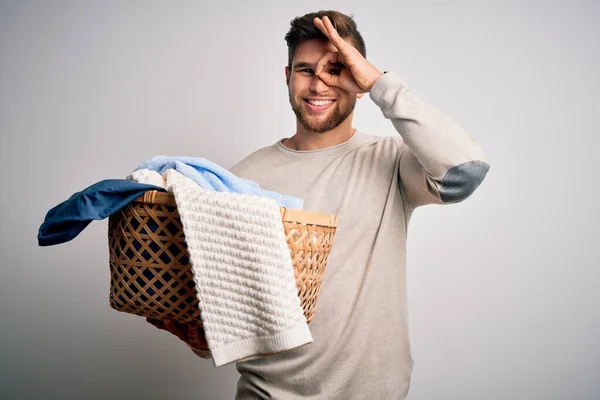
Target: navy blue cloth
x=96 y=202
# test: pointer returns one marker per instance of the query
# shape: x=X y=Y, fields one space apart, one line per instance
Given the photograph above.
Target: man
x=361 y=346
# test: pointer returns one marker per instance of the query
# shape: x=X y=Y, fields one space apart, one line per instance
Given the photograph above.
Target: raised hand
x=357 y=74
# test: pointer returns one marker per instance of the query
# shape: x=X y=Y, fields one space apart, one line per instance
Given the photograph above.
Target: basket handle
x=287 y=214
x=148 y=197
x=311 y=218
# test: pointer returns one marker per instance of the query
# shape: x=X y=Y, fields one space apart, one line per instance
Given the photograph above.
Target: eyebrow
x=309 y=65
x=303 y=65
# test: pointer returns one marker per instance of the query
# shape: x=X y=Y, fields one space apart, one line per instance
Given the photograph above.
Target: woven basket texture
x=150 y=268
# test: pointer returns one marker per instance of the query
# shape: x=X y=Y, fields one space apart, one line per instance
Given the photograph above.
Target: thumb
x=345 y=80
x=329 y=79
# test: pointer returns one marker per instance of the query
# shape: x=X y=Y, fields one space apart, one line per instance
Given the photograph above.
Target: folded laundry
x=211 y=176
x=96 y=202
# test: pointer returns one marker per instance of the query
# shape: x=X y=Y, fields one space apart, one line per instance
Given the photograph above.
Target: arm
x=439 y=163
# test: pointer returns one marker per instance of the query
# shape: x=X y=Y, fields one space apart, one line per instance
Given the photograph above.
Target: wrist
x=372 y=81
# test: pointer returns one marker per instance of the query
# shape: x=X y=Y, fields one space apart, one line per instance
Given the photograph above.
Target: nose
x=317 y=85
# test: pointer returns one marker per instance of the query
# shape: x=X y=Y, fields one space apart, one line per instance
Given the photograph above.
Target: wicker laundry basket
x=150 y=269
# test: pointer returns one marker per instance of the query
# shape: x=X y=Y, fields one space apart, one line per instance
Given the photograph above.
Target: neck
x=305 y=140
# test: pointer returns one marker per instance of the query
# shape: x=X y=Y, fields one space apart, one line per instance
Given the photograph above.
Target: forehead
x=311 y=51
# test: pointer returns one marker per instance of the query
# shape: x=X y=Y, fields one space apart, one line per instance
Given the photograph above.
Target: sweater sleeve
x=439 y=162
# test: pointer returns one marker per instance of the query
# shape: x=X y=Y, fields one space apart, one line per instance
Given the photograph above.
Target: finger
x=193 y=335
x=330 y=57
x=332 y=34
x=197 y=340
x=176 y=330
x=344 y=80
x=319 y=24
x=156 y=323
x=329 y=79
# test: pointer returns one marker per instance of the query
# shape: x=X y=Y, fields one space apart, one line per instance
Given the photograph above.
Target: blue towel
x=98 y=201
x=214 y=177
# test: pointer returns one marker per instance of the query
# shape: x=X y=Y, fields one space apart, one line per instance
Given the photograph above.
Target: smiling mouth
x=318 y=105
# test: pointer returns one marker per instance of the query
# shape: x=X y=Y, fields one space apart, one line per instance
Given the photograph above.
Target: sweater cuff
x=389 y=82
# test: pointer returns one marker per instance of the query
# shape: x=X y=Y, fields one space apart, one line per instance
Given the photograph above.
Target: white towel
x=147 y=176
x=243 y=271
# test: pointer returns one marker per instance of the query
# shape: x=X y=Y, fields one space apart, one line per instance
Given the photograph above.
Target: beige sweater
x=361 y=347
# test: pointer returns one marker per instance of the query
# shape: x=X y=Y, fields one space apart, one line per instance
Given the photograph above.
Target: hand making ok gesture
x=357 y=76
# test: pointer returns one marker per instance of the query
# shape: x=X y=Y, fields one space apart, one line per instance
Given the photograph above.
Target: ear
x=287 y=75
x=359 y=95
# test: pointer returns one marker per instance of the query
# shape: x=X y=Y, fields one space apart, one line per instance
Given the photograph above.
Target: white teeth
x=320 y=102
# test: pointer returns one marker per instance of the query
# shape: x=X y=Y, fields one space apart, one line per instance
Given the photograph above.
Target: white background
x=503 y=288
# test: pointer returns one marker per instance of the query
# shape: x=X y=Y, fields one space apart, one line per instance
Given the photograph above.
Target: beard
x=341 y=111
